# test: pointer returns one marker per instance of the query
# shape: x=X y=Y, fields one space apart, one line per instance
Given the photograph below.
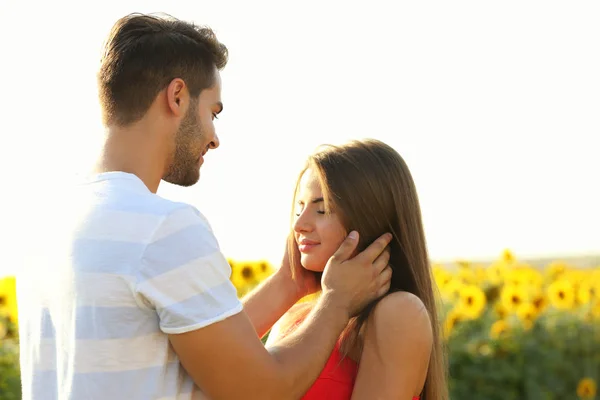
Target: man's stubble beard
x=184 y=169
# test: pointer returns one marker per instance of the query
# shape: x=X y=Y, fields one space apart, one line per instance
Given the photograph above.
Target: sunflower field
x=514 y=331
x=511 y=330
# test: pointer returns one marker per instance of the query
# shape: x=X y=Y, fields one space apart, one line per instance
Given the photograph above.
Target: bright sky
x=494 y=106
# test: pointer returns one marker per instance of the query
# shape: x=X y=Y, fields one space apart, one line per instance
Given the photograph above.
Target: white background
x=495 y=106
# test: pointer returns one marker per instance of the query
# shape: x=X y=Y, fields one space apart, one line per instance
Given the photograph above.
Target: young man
x=130 y=297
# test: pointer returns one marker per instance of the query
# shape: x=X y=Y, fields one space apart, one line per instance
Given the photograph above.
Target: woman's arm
x=397 y=346
x=269 y=301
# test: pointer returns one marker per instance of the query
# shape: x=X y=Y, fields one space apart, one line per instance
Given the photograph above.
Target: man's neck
x=128 y=150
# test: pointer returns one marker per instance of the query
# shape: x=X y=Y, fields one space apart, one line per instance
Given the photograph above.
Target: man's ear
x=178 y=97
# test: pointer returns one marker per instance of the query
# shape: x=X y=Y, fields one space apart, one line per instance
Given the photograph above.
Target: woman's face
x=318 y=233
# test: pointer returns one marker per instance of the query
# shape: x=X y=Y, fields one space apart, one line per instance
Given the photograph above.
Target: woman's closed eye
x=318 y=212
x=300 y=209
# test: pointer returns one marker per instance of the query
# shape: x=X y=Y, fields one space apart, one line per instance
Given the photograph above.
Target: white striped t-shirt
x=118 y=270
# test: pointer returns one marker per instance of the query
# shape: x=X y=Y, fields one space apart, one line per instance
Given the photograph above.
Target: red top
x=336 y=381
x=337 y=378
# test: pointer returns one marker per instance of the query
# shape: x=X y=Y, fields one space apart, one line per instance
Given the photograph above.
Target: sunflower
x=595 y=279
x=495 y=273
x=595 y=310
x=248 y=272
x=450 y=322
x=539 y=301
x=514 y=277
x=3 y=328
x=561 y=294
x=499 y=329
x=595 y=290
x=264 y=269
x=501 y=312
x=586 y=389
x=472 y=301
x=575 y=276
x=441 y=276
x=512 y=296
x=8 y=299
x=451 y=290
x=244 y=274
x=555 y=269
x=480 y=274
x=527 y=313
x=532 y=277
x=467 y=276
x=508 y=257
x=585 y=293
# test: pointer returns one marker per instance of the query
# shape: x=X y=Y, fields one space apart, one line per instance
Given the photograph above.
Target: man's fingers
x=386 y=275
x=347 y=247
x=376 y=248
x=382 y=261
x=383 y=290
x=384 y=280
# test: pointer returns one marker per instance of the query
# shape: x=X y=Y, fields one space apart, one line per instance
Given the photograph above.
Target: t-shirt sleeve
x=183 y=275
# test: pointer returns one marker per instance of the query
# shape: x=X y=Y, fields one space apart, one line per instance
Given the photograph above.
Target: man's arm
x=227 y=361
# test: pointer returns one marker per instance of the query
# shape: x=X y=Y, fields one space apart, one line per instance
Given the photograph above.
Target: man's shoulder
x=124 y=215
x=180 y=217
x=126 y=193
x=131 y=201
x=164 y=222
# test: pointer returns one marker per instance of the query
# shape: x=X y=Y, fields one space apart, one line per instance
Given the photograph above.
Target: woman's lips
x=306 y=246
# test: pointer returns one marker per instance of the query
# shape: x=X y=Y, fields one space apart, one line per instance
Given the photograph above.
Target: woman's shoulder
x=400 y=314
x=398 y=333
x=400 y=305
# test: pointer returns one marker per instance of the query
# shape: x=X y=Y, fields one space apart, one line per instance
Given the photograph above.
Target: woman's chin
x=315 y=269
x=311 y=265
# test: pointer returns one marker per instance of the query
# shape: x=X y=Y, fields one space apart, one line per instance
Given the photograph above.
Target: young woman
x=392 y=350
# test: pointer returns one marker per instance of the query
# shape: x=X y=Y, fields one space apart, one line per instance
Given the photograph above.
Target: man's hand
x=352 y=283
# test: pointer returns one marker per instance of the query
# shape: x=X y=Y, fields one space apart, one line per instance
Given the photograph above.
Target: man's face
x=195 y=136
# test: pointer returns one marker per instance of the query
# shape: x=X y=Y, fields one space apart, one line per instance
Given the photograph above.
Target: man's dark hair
x=144 y=53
